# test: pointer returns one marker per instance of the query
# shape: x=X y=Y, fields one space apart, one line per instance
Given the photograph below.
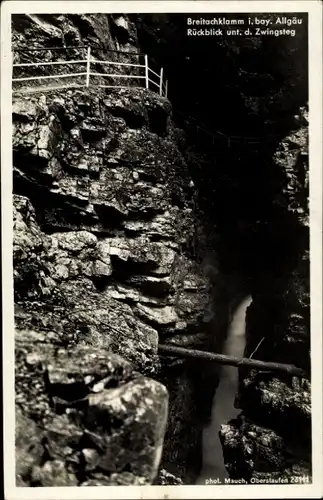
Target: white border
x=314 y=8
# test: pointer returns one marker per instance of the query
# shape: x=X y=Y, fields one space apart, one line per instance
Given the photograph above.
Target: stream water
x=223 y=404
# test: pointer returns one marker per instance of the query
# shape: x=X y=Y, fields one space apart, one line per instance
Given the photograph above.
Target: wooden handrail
x=182 y=352
x=98 y=61
x=51 y=63
x=89 y=60
x=117 y=75
x=216 y=133
x=46 y=77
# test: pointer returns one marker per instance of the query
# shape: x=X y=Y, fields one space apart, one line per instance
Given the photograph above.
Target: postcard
x=162 y=255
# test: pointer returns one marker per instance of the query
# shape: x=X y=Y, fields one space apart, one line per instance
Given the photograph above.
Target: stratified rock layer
x=103 y=264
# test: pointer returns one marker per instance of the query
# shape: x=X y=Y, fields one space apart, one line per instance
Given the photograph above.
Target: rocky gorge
x=131 y=229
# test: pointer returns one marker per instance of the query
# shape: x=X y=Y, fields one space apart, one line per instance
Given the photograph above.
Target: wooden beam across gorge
x=182 y=352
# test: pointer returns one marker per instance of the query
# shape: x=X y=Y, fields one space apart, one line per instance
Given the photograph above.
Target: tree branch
x=258 y=345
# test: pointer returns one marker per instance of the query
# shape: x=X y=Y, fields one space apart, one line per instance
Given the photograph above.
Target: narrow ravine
x=223 y=405
x=144 y=218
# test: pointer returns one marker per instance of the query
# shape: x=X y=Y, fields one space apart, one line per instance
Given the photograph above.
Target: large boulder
x=95 y=415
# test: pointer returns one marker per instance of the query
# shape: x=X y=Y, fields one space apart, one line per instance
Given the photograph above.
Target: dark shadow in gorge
x=249 y=87
x=258 y=244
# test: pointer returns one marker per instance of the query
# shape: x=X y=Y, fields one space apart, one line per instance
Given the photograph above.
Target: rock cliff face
x=272 y=436
x=104 y=266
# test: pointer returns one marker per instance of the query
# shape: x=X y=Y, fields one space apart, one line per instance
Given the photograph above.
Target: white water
x=223 y=407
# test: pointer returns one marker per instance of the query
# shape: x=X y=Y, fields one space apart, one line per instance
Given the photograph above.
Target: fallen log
x=182 y=352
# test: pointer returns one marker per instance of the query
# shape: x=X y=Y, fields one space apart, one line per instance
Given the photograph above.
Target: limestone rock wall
x=104 y=266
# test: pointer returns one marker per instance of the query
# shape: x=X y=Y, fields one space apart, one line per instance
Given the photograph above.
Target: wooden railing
x=141 y=75
x=216 y=137
x=89 y=74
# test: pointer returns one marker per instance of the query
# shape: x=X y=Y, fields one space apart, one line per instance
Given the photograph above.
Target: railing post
x=146 y=71
x=88 y=63
x=161 y=82
x=166 y=89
